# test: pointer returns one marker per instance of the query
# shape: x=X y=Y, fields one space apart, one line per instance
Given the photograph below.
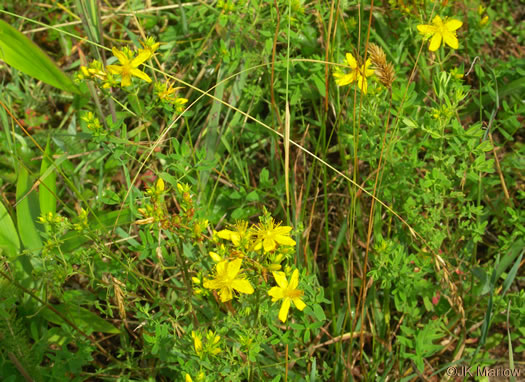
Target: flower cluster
x=211 y=345
x=129 y=65
x=166 y=93
x=93 y=125
x=184 y=223
x=260 y=249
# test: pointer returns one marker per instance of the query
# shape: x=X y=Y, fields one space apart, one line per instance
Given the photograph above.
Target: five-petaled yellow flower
x=440 y=30
x=357 y=73
x=128 y=66
x=226 y=280
x=288 y=292
x=269 y=235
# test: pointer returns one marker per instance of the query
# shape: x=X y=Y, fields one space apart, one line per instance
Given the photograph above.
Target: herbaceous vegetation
x=270 y=190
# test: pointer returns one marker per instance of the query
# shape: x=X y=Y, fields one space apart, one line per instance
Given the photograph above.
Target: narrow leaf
x=47 y=188
x=27 y=212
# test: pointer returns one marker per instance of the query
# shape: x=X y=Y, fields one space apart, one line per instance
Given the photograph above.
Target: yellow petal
x=284 y=240
x=282 y=230
x=368 y=72
x=283 y=312
x=188 y=378
x=126 y=80
x=269 y=245
x=215 y=257
x=299 y=304
x=435 y=42
x=294 y=280
x=226 y=294
x=114 y=69
x=142 y=56
x=426 y=29
x=235 y=238
x=225 y=234
x=453 y=25
x=140 y=74
x=351 y=60
x=437 y=21
x=276 y=293
x=451 y=40
x=221 y=267
x=344 y=79
x=361 y=82
x=211 y=284
x=242 y=286
x=123 y=59
x=234 y=267
x=280 y=279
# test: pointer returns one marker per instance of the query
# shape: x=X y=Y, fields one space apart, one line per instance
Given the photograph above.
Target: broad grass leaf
x=22 y=54
x=9 y=241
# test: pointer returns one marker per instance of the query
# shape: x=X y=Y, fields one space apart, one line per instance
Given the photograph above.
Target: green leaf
x=22 y=54
x=512 y=274
x=86 y=320
x=9 y=241
x=27 y=212
x=319 y=313
x=47 y=188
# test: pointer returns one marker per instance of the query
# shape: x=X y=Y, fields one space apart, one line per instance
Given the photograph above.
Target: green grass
x=405 y=200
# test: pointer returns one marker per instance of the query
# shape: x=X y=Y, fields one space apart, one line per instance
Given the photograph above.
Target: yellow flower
x=269 y=234
x=150 y=45
x=240 y=234
x=129 y=66
x=197 y=342
x=345 y=79
x=179 y=104
x=288 y=292
x=166 y=92
x=357 y=73
x=226 y=280
x=441 y=31
x=188 y=378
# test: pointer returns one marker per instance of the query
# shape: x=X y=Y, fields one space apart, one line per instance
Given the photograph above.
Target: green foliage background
x=406 y=201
